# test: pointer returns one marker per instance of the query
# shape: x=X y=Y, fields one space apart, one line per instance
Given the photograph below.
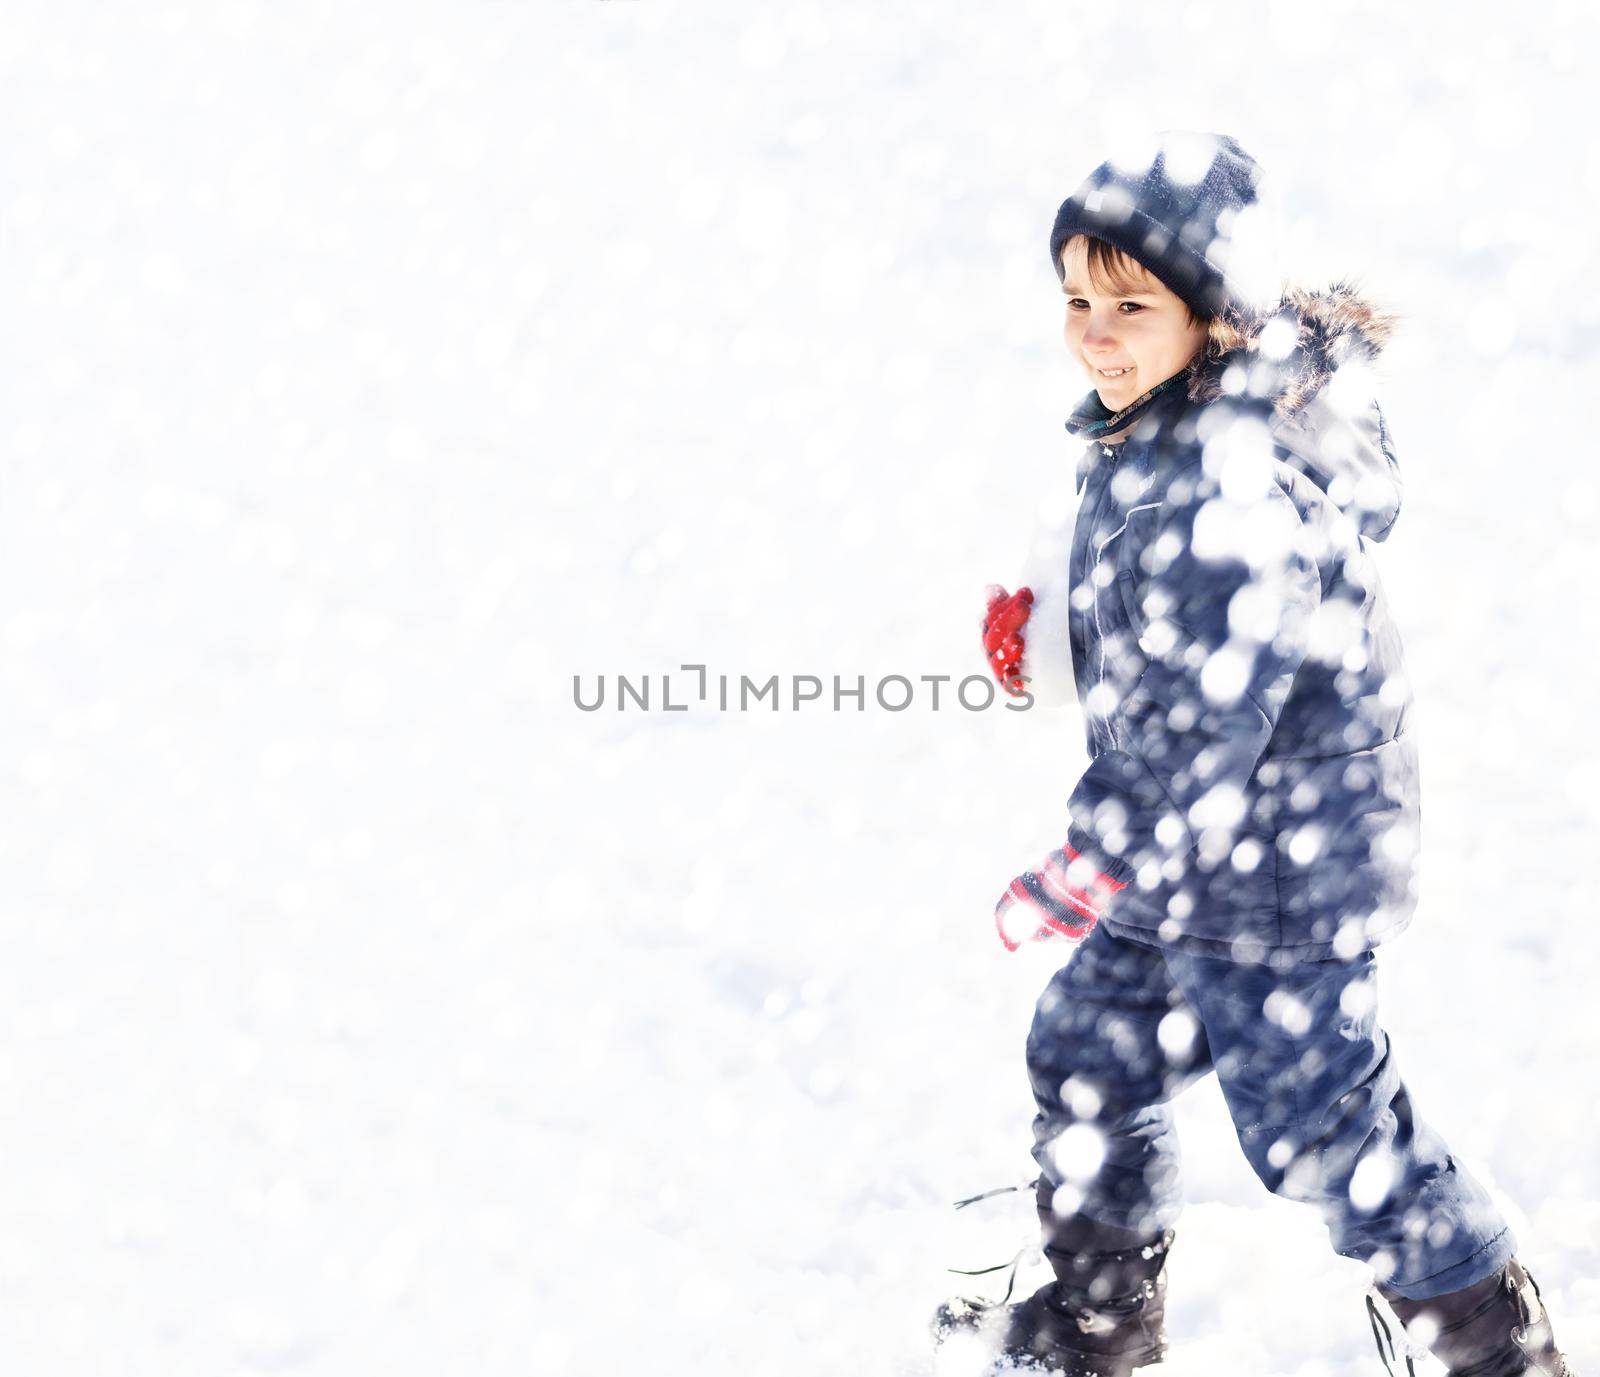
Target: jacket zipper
x=1111 y=731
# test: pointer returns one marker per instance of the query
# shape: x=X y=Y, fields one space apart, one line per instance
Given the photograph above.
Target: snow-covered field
x=371 y=371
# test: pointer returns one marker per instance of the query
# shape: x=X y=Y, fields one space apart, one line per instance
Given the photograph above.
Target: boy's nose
x=1096 y=338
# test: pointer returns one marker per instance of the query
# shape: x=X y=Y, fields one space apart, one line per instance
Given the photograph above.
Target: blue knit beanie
x=1175 y=216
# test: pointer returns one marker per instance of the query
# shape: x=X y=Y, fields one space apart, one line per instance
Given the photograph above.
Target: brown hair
x=1113 y=270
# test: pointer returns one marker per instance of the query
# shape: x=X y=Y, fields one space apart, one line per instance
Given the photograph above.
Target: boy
x=1246 y=831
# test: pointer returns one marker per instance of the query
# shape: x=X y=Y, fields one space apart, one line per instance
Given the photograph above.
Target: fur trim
x=1329 y=328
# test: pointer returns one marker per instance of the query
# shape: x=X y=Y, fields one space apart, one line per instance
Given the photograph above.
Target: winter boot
x=1101 y=1317
x=1496 y=1327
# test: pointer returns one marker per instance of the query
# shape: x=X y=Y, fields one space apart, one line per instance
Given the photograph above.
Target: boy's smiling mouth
x=1114 y=372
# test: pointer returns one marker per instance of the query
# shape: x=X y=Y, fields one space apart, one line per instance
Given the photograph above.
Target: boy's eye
x=1077 y=303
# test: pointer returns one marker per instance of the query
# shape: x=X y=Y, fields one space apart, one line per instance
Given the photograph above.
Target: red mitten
x=1065 y=897
x=1003 y=621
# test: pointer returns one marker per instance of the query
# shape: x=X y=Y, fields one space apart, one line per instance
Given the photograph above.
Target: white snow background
x=370 y=371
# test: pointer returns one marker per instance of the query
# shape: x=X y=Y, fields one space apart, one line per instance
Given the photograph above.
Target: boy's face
x=1144 y=329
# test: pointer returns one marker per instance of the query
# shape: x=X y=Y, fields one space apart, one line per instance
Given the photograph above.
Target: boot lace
x=1014 y=1264
x=1385 y=1341
x=1090 y=1318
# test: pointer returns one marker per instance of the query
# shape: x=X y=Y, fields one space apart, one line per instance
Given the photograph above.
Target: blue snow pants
x=1310 y=1083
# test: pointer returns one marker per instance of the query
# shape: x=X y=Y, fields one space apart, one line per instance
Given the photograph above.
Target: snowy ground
x=371 y=371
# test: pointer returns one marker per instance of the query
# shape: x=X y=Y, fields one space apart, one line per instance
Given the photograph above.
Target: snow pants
x=1310 y=1083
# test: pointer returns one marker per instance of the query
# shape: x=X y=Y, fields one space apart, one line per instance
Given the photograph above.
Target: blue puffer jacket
x=1245 y=697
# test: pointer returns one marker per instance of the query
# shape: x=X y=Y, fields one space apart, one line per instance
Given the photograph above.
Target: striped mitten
x=1063 y=898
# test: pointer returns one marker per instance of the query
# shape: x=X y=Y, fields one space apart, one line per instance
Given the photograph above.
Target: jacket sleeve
x=1231 y=584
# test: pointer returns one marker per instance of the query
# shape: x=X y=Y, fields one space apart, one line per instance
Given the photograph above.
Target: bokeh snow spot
x=1247 y=855
x=1226 y=673
x=1278 y=338
x=1306 y=844
x=1077 y=1152
x=1222 y=806
x=1187 y=156
x=1082 y=1098
x=1177 y=1033
x=1372 y=1180
x=1358 y=998
x=1289 y=1012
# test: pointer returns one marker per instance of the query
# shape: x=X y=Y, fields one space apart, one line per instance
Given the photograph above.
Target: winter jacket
x=1245 y=700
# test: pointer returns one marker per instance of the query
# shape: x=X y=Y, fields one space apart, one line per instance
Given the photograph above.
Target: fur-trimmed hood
x=1311 y=356
x=1294 y=348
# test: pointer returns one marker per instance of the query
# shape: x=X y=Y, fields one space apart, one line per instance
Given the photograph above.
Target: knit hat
x=1176 y=209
